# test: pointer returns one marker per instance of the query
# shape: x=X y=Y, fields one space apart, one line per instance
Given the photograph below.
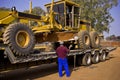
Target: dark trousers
x=63 y=63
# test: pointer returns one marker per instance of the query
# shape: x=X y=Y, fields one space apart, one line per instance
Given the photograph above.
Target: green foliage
x=113 y=37
x=97 y=11
x=4 y=8
x=37 y=11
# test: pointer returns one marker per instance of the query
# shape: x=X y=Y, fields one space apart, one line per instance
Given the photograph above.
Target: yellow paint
x=6 y=17
x=22 y=39
x=45 y=24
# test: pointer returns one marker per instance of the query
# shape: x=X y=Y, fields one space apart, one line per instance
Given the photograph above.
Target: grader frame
x=62 y=23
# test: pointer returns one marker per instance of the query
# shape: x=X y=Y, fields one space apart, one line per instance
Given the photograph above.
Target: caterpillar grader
x=20 y=41
x=61 y=24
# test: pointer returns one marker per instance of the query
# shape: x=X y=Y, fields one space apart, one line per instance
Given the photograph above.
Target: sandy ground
x=107 y=70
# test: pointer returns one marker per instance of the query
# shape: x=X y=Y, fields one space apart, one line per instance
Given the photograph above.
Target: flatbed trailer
x=8 y=61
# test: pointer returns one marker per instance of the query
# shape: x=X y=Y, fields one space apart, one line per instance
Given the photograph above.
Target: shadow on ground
x=37 y=72
x=31 y=73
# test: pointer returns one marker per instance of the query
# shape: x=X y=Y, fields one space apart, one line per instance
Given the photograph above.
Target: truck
x=23 y=44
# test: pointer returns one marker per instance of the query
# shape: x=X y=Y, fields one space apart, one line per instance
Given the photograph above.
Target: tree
x=112 y=37
x=97 y=12
x=4 y=8
x=118 y=37
x=37 y=11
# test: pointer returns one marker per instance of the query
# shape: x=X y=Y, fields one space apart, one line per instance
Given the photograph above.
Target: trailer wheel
x=19 y=38
x=95 y=58
x=86 y=60
x=103 y=56
x=84 y=39
x=95 y=40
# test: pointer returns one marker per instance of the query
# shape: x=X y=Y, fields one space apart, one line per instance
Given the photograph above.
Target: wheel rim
x=86 y=39
x=97 y=58
x=104 y=56
x=88 y=60
x=22 y=39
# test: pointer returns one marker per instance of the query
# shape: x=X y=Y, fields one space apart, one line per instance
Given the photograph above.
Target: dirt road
x=107 y=70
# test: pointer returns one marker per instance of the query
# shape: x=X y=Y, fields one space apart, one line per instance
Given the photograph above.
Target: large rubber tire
x=84 y=39
x=95 y=40
x=19 y=38
x=86 y=60
x=95 y=58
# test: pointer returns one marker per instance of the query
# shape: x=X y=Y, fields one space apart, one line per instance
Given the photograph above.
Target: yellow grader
x=61 y=23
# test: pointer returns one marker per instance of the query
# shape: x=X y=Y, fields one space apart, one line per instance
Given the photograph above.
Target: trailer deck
x=48 y=55
x=10 y=61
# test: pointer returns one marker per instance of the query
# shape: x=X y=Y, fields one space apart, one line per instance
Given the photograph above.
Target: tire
x=95 y=58
x=86 y=60
x=95 y=40
x=103 y=56
x=19 y=38
x=84 y=39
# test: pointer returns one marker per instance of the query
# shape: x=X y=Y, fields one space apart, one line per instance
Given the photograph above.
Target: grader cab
x=62 y=23
x=66 y=13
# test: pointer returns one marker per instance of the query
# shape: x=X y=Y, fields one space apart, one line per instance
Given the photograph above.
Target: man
x=62 y=60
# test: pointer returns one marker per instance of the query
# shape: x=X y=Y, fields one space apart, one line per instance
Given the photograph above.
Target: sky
x=22 y=5
x=115 y=26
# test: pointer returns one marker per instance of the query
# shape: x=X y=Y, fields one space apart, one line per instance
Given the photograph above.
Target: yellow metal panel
x=83 y=27
x=63 y=1
x=58 y=2
x=4 y=14
x=71 y=3
x=7 y=20
x=6 y=17
x=40 y=31
x=24 y=21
